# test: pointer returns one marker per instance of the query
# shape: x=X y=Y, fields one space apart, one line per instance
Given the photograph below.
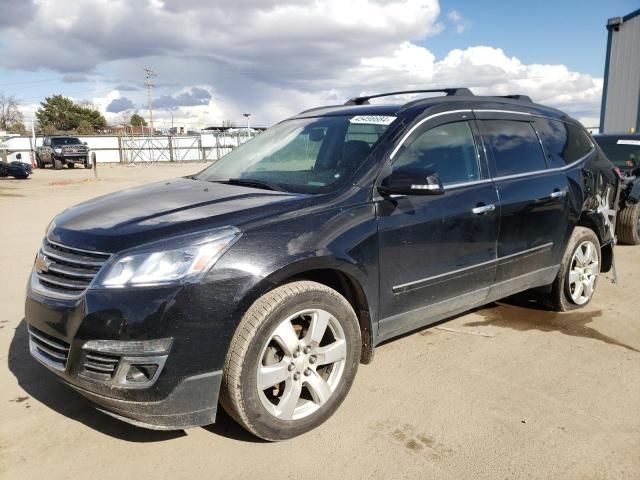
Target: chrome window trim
x=407 y=286
x=491 y=179
x=417 y=125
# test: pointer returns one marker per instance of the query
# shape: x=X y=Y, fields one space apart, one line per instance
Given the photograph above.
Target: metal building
x=620 y=111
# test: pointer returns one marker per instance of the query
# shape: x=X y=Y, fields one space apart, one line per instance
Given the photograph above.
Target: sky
x=216 y=60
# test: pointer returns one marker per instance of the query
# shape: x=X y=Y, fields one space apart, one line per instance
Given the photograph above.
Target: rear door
x=534 y=214
x=437 y=252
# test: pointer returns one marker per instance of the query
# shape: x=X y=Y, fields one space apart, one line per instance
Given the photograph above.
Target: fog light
x=141 y=373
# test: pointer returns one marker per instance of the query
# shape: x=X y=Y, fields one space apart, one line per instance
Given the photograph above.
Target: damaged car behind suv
x=263 y=281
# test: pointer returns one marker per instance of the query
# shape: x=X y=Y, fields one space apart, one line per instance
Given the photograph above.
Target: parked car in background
x=16 y=169
x=264 y=280
x=63 y=150
x=624 y=152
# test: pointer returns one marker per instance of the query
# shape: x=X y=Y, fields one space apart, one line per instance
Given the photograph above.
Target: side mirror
x=411 y=182
x=18 y=156
x=84 y=143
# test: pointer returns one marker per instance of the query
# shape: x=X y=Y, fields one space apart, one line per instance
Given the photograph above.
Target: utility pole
x=248 y=116
x=149 y=75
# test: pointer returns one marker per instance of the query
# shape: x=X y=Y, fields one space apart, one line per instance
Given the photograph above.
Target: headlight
x=57 y=150
x=191 y=257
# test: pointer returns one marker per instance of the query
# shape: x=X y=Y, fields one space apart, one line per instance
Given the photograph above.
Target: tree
x=59 y=113
x=85 y=128
x=10 y=115
x=137 y=120
x=228 y=124
x=19 y=128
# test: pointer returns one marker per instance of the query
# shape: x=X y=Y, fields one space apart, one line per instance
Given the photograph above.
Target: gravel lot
x=508 y=391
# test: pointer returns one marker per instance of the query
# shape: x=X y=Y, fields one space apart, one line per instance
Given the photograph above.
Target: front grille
x=48 y=350
x=67 y=270
x=100 y=366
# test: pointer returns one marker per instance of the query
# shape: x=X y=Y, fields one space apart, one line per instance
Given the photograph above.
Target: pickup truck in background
x=60 y=151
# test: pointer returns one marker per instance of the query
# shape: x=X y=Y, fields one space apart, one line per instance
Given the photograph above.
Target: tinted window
x=515 y=146
x=449 y=150
x=66 y=141
x=624 y=152
x=563 y=143
x=578 y=143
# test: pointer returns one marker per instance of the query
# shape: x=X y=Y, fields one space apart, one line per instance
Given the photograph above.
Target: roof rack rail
x=524 y=98
x=317 y=108
x=449 y=91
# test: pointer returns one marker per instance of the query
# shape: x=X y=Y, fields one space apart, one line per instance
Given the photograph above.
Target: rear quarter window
x=563 y=143
x=514 y=146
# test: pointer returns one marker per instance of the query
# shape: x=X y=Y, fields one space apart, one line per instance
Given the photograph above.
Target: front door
x=437 y=252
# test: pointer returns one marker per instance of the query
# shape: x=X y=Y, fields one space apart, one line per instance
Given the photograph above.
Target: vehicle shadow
x=41 y=385
x=525 y=312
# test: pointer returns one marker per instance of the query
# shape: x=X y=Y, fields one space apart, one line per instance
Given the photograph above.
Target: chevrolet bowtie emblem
x=42 y=263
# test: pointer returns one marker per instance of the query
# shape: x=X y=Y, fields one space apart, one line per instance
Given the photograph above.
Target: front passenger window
x=448 y=150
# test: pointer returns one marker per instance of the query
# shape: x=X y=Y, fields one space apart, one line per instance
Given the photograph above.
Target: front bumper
x=191 y=404
x=200 y=320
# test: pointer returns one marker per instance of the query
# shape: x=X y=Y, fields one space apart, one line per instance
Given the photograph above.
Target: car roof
x=454 y=102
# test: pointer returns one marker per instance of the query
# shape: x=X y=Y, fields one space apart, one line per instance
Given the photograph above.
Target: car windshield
x=66 y=141
x=623 y=152
x=305 y=155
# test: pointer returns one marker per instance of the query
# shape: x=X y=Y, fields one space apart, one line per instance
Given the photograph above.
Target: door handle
x=558 y=194
x=482 y=209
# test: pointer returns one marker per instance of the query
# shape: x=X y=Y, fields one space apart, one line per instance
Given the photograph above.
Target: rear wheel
x=578 y=275
x=71 y=165
x=292 y=360
x=628 y=227
x=57 y=164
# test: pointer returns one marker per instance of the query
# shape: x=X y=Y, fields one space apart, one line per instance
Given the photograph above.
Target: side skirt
x=406 y=322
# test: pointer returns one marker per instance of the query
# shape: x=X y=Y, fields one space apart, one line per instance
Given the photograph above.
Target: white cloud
x=272 y=58
x=460 y=24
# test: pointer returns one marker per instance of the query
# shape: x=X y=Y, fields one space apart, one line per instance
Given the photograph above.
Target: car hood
x=140 y=215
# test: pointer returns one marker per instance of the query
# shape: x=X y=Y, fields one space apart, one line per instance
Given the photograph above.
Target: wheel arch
x=340 y=276
x=593 y=221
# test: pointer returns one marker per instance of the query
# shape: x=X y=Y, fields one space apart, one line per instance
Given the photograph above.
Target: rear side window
x=563 y=143
x=448 y=150
x=515 y=147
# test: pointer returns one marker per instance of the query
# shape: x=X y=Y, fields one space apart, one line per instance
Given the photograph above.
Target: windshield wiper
x=250 y=182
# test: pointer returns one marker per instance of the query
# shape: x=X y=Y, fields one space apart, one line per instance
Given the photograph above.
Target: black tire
x=39 y=162
x=560 y=298
x=57 y=164
x=71 y=165
x=240 y=396
x=628 y=226
x=87 y=164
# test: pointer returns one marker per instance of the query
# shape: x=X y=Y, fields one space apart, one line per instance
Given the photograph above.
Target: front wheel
x=89 y=163
x=57 y=164
x=578 y=275
x=292 y=360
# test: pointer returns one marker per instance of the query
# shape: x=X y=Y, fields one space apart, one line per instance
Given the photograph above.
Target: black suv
x=263 y=281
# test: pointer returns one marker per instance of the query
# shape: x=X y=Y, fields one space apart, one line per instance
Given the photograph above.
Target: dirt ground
x=508 y=391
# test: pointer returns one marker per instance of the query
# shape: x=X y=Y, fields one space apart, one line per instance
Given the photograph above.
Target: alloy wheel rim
x=583 y=272
x=301 y=364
